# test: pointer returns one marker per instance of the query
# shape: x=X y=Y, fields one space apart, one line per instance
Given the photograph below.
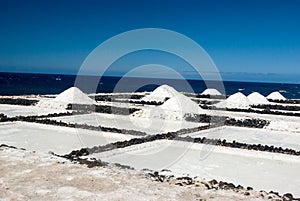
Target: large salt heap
x=237 y=100
x=175 y=108
x=257 y=98
x=276 y=96
x=72 y=95
x=160 y=94
x=180 y=102
x=211 y=92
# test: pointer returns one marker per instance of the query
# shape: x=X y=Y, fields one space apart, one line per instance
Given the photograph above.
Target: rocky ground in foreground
x=27 y=175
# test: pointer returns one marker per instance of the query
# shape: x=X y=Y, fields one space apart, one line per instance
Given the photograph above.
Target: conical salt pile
x=182 y=103
x=75 y=96
x=72 y=95
x=237 y=100
x=211 y=92
x=276 y=96
x=160 y=94
x=174 y=108
x=257 y=98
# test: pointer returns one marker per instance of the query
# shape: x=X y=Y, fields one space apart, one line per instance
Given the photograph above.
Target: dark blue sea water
x=20 y=84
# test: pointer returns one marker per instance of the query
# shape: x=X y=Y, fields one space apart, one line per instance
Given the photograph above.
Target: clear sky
x=252 y=40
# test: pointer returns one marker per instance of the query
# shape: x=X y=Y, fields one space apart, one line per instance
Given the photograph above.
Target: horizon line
x=191 y=79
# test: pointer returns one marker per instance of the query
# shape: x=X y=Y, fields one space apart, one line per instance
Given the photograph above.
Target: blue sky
x=248 y=40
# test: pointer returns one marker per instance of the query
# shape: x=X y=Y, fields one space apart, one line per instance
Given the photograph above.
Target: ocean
x=27 y=84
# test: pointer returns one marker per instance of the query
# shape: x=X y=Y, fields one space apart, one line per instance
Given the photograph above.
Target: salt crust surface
x=34 y=176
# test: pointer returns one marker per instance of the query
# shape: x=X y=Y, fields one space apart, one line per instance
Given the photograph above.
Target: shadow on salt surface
x=261 y=170
x=61 y=140
x=19 y=110
x=252 y=136
x=150 y=126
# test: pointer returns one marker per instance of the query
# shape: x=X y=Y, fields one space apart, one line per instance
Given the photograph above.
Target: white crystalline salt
x=173 y=109
x=257 y=98
x=237 y=100
x=276 y=96
x=72 y=95
x=160 y=94
x=75 y=96
x=182 y=103
x=212 y=92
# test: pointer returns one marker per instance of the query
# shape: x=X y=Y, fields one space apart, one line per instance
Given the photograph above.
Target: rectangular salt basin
x=260 y=170
x=282 y=139
x=247 y=115
x=150 y=126
x=20 y=110
x=60 y=140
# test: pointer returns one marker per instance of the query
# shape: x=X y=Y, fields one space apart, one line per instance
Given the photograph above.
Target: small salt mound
x=211 y=92
x=72 y=95
x=160 y=94
x=276 y=96
x=174 y=108
x=237 y=100
x=257 y=98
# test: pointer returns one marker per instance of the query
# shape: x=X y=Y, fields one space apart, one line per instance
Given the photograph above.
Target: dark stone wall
x=18 y=101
